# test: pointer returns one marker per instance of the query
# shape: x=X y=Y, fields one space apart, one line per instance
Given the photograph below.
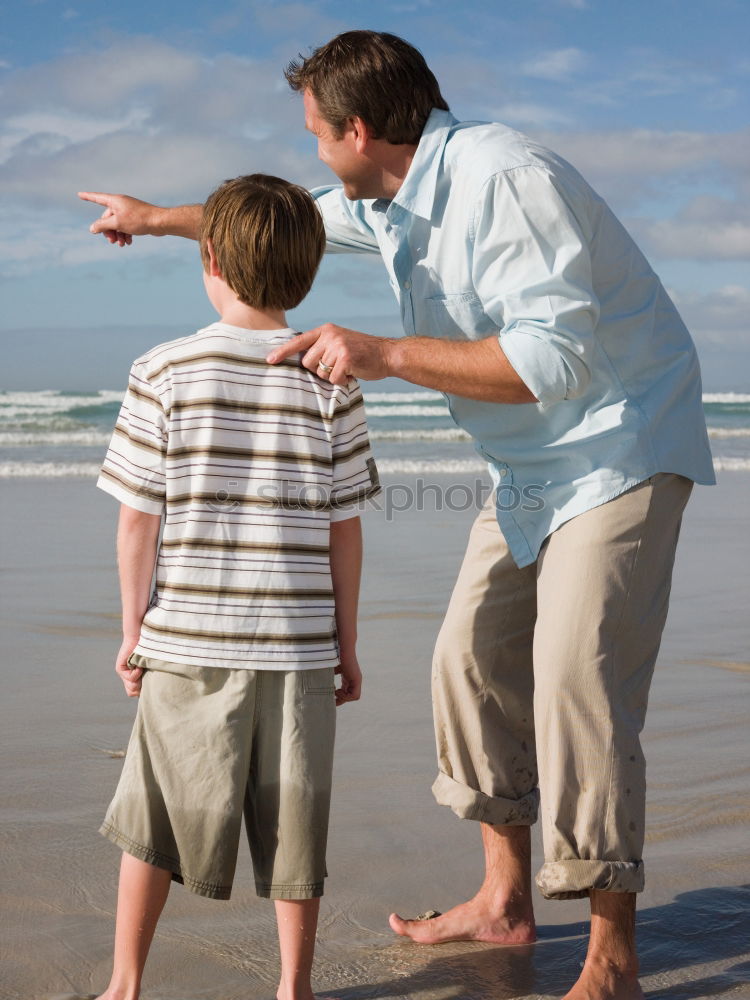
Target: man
x=528 y=305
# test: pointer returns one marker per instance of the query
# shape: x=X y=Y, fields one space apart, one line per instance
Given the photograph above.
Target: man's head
x=374 y=76
x=266 y=237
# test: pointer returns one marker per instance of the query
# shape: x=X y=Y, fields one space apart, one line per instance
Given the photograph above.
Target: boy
x=254 y=471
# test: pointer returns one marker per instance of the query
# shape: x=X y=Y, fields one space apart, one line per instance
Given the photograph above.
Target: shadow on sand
x=679 y=943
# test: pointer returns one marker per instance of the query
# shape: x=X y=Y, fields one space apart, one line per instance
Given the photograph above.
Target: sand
x=65 y=722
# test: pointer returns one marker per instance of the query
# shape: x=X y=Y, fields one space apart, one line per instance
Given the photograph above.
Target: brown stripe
x=140 y=492
x=253 y=637
x=250 y=454
x=265 y=592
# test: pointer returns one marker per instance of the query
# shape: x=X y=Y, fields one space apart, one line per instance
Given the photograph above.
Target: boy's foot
x=471 y=921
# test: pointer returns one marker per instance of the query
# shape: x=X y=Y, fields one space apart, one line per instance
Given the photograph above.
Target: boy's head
x=267 y=239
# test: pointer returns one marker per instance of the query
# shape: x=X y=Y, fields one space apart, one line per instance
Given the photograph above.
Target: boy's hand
x=123 y=217
x=131 y=678
x=351 y=680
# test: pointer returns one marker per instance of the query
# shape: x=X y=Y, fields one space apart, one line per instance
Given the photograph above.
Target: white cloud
x=558 y=64
x=531 y=116
x=707 y=228
x=719 y=317
x=626 y=166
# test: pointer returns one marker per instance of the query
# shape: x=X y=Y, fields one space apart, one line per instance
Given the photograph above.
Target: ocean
x=51 y=434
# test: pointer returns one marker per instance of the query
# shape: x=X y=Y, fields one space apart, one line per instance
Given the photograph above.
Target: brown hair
x=268 y=239
x=374 y=76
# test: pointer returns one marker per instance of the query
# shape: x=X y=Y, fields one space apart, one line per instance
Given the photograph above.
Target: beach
x=66 y=721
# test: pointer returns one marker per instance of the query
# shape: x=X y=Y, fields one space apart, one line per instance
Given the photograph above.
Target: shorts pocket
x=318 y=681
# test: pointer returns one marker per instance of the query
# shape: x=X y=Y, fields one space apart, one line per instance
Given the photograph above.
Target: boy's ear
x=213 y=267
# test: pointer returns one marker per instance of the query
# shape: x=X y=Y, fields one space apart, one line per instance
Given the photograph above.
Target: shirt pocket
x=457 y=316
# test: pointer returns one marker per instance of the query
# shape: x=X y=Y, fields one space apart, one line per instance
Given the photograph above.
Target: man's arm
x=346 y=568
x=137 y=535
x=476 y=369
x=124 y=217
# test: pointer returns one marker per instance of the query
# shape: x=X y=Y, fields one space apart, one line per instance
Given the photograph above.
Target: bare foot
x=604 y=981
x=471 y=921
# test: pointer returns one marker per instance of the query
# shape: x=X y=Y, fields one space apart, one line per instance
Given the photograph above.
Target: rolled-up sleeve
x=347 y=229
x=532 y=272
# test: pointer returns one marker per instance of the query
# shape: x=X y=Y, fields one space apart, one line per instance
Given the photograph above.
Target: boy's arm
x=137 y=536
x=124 y=217
x=346 y=567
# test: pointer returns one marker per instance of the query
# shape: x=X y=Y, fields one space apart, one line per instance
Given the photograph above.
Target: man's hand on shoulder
x=342 y=352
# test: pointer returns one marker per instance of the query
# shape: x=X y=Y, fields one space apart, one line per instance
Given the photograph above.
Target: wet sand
x=65 y=721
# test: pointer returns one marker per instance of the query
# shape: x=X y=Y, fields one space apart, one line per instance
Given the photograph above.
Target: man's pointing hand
x=335 y=353
x=123 y=217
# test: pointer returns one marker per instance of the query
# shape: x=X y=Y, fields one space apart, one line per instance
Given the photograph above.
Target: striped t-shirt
x=249 y=463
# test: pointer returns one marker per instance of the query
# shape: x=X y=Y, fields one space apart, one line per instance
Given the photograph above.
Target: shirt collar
x=417 y=192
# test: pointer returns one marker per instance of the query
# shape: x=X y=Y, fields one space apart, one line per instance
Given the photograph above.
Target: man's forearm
x=346 y=569
x=180 y=220
x=477 y=370
x=474 y=369
x=137 y=537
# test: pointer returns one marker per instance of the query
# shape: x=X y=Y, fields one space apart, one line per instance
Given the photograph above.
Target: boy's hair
x=374 y=76
x=268 y=238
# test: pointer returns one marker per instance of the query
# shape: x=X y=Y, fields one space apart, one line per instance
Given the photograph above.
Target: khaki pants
x=210 y=744
x=541 y=678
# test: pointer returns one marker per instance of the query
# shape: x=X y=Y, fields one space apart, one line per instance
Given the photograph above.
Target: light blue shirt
x=491 y=234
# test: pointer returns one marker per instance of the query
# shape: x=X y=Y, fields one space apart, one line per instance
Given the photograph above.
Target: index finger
x=299 y=343
x=98 y=197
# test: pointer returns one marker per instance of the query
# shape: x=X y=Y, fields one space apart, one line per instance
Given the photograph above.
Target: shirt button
x=407 y=285
x=503 y=472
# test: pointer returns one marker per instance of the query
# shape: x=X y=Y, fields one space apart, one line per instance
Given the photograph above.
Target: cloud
x=531 y=116
x=172 y=126
x=719 y=317
x=556 y=65
x=629 y=165
x=707 y=228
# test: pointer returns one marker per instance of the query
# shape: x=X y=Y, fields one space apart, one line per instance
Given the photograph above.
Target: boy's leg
x=142 y=893
x=297 y=921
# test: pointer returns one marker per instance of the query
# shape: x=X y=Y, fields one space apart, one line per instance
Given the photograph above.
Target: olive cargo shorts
x=211 y=743
x=541 y=677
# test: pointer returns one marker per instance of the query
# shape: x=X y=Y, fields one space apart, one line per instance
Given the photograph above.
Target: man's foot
x=472 y=921
x=603 y=981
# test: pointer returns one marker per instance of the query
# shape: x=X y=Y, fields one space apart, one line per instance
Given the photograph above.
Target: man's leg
x=611 y=968
x=603 y=592
x=141 y=897
x=483 y=705
x=501 y=912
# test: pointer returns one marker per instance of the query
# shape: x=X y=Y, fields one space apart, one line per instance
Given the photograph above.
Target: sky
x=165 y=100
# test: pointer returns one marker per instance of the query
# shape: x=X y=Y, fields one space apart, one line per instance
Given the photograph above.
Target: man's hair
x=374 y=76
x=268 y=239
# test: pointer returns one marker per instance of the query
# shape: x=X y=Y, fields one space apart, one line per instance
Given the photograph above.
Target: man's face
x=355 y=170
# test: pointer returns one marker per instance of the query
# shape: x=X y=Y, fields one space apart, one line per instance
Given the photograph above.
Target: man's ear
x=361 y=133
x=213 y=267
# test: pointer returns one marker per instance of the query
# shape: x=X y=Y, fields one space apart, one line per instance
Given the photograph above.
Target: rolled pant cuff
x=573 y=879
x=468 y=803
